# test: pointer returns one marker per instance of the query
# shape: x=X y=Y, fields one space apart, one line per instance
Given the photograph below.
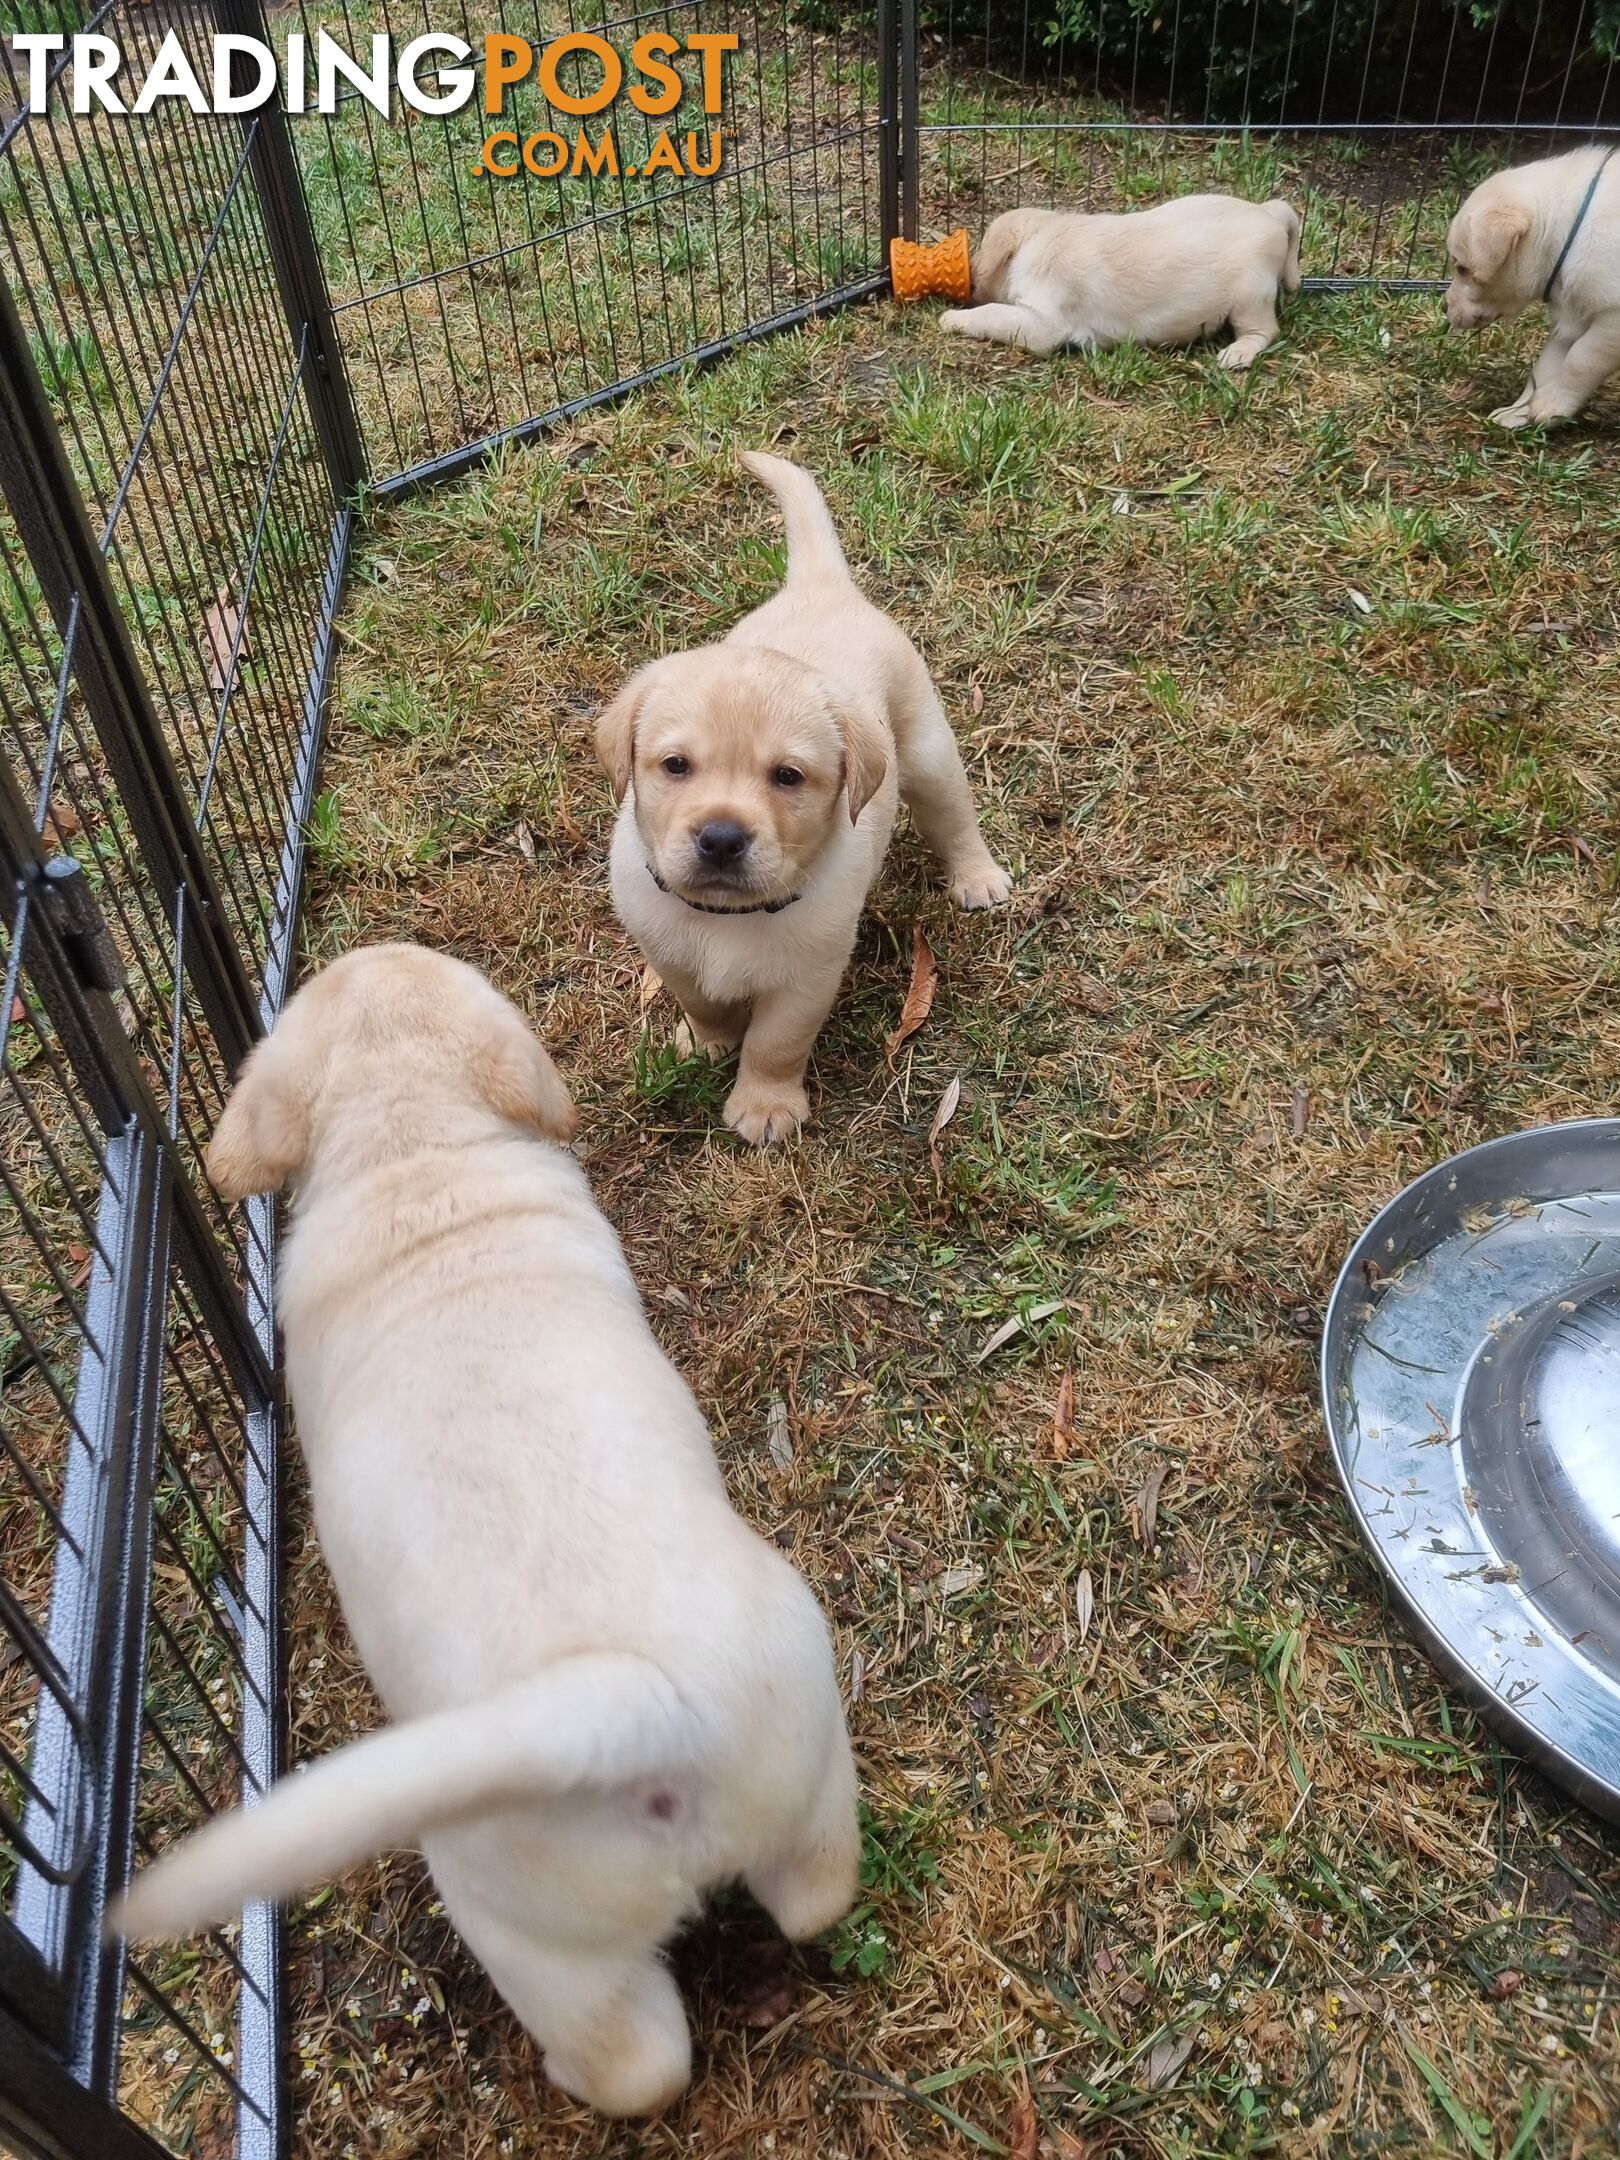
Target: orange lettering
x=642 y=54
x=712 y=44
x=580 y=41
x=507 y=59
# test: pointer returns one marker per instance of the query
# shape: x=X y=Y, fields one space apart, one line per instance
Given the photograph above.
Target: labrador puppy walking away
x=611 y=1695
x=1550 y=232
x=1166 y=276
x=758 y=781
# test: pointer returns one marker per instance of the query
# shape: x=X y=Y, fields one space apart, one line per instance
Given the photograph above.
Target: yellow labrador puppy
x=612 y=1695
x=1166 y=276
x=1548 y=231
x=758 y=782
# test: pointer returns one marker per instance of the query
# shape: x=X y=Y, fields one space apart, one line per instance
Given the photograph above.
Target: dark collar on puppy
x=1580 y=220
x=760 y=907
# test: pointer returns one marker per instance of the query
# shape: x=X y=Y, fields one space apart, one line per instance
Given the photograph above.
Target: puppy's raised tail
x=1288 y=217
x=812 y=538
x=583 y=1722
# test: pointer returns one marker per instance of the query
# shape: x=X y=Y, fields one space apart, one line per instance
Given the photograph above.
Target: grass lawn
x=1293 y=706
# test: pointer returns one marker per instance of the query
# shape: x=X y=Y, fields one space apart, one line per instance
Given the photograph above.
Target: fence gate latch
x=81 y=926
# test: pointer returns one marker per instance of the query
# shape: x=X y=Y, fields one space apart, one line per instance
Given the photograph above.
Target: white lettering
x=455 y=84
x=331 y=61
x=96 y=60
x=227 y=48
x=37 y=46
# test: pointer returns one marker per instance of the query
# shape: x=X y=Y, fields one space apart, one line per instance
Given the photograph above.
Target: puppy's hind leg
x=813 y=1882
x=1254 y=326
x=935 y=789
x=1573 y=369
x=1002 y=322
x=611 y=2024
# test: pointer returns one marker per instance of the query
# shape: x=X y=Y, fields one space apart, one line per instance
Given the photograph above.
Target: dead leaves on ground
x=224 y=634
x=1063 y=1417
x=779 y=1434
x=1016 y=1325
x=919 y=994
x=1167 y=2057
x=1144 y=1507
x=949 y=1103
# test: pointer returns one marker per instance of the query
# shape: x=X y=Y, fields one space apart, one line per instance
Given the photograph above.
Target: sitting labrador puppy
x=758 y=781
x=612 y=1695
x=1548 y=231
x=1166 y=276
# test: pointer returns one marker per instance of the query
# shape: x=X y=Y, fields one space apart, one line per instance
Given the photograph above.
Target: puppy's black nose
x=720 y=843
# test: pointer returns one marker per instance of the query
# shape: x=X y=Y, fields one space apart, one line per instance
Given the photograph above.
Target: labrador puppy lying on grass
x=758 y=781
x=612 y=1695
x=1548 y=231
x=1166 y=276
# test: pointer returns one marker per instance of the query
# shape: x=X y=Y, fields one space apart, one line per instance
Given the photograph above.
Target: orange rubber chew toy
x=925 y=273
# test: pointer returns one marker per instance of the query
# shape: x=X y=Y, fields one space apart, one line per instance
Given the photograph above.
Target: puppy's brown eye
x=676 y=767
x=788 y=776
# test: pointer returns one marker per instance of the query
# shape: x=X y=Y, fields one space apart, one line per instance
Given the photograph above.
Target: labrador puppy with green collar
x=758 y=783
x=1549 y=232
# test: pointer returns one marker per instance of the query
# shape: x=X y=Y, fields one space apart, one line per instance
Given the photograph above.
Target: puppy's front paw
x=1511 y=416
x=951 y=318
x=980 y=885
x=764 y=1115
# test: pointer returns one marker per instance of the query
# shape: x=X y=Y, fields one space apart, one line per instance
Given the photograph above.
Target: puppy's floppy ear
x=1498 y=229
x=1003 y=237
x=616 y=731
x=262 y=1138
x=518 y=1080
x=866 y=754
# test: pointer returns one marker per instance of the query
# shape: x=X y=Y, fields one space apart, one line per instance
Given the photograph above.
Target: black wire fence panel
x=172 y=538
x=137 y=253
x=1374 y=121
x=470 y=306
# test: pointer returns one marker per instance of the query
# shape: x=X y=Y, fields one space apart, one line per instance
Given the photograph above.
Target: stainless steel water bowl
x=1471 y=1382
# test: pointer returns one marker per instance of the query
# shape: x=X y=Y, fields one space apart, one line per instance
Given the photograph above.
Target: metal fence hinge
x=81 y=926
